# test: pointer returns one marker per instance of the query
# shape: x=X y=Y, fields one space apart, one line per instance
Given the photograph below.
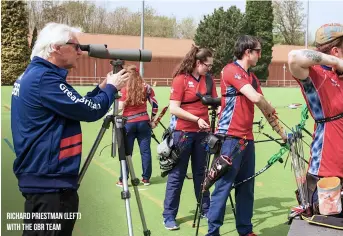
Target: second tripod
x=198 y=212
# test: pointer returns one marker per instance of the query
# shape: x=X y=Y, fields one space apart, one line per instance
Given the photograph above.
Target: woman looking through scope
x=138 y=125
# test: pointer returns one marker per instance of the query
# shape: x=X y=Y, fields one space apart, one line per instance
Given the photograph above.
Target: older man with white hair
x=45 y=121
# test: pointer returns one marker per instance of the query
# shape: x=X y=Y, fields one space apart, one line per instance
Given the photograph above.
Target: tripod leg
x=232 y=205
x=125 y=195
x=208 y=156
x=195 y=214
x=105 y=126
x=121 y=141
x=135 y=182
x=199 y=213
x=199 y=203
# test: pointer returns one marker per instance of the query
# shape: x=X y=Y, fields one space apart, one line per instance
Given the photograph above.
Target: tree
x=259 y=22
x=15 y=53
x=96 y=19
x=288 y=22
x=34 y=37
x=186 y=28
x=35 y=14
x=219 y=32
x=122 y=22
x=158 y=26
x=53 y=12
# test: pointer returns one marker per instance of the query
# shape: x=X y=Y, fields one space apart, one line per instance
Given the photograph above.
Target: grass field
x=102 y=209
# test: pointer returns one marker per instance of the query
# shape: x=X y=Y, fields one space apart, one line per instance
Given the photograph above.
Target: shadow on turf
x=259 y=205
x=160 y=180
x=281 y=229
x=263 y=207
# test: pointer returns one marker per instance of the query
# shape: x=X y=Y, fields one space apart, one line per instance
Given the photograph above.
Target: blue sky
x=321 y=12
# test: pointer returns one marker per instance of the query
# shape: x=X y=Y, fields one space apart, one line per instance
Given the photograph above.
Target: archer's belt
x=328 y=119
x=136 y=115
x=223 y=137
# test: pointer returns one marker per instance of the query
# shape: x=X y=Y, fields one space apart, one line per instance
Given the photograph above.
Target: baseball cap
x=328 y=32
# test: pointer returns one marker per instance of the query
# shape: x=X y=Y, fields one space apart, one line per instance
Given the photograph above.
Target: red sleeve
x=178 y=88
x=123 y=95
x=234 y=78
x=214 y=89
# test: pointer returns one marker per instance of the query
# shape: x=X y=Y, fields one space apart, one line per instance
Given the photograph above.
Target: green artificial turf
x=103 y=211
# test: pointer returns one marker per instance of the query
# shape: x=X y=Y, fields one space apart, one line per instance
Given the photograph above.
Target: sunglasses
x=209 y=66
x=76 y=45
x=258 y=50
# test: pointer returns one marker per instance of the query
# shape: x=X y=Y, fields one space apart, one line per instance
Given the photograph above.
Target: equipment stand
x=119 y=137
x=208 y=155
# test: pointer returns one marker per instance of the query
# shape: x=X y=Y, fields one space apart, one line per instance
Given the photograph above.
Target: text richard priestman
x=43 y=215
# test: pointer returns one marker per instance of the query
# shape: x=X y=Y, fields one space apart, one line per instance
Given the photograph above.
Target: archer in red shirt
x=320 y=76
x=133 y=102
x=237 y=114
x=240 y=91
x=190 y=122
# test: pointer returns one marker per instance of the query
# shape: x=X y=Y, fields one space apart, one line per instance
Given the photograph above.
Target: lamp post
x=141 y=69
x=307 y=20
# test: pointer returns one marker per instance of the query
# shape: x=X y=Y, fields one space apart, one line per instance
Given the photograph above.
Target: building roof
x=166 y=47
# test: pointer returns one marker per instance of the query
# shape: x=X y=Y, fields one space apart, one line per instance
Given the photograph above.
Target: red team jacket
x=133 y=110
x=323 y=92
x=237 y=115
x=184 y=89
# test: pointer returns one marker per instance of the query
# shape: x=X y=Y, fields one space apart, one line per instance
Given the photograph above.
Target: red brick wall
x=278 y=77
x=92 y=70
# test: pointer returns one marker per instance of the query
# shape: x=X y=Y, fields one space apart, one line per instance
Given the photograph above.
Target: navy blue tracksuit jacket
x=45 y=120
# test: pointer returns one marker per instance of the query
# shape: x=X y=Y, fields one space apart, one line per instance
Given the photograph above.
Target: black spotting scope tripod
x=119 y=137
x=213 y=104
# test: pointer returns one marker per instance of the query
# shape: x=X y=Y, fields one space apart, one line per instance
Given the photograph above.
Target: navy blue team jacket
x=45 y=120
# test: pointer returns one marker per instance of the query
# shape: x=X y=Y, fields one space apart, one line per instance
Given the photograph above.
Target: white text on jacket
x=87 y=102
